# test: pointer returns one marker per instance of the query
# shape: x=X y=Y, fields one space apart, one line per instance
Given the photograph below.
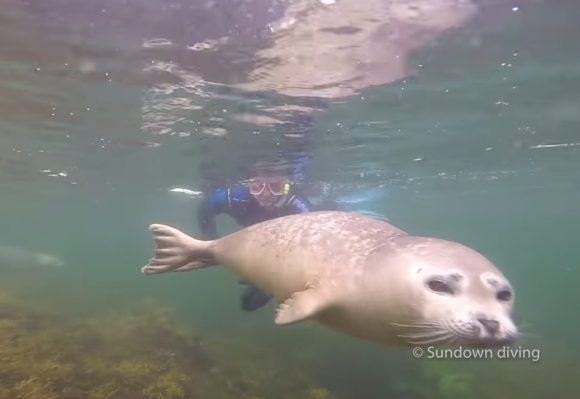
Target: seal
x=358 y=276
x=15 y=257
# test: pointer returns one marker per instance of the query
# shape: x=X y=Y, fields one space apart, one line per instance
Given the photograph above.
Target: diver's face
x=267 y=191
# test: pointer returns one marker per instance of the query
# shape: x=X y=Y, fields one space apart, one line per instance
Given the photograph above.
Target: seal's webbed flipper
x=302 y=305
x=176 y=251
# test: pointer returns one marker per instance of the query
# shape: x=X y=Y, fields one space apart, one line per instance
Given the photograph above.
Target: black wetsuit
x=246 y=210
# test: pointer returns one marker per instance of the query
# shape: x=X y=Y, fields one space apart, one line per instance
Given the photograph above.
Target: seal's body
x=359 y=276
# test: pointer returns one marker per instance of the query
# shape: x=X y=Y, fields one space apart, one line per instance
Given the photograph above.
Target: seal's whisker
x=424 y=335
x=418 y=325
x=525 y=325
x=528 y=335
x=427 y=334
x=421 y=328
x=421 y=322
x=428 y=340
x=437 y=340
x=447 y=340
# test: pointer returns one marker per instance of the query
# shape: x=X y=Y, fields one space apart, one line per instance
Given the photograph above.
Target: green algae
x=139 y=354
x=446 y=380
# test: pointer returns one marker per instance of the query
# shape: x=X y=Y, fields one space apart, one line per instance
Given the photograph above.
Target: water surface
x=106 y=107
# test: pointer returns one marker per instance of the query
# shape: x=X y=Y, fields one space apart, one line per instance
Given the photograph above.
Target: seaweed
x=319 y=393
x=139 y=354
x=447 y=380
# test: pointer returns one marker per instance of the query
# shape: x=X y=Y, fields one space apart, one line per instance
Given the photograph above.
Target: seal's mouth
x=457 y=332
x=480 y=332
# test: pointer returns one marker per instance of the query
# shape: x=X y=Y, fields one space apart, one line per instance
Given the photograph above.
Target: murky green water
x=480 y=146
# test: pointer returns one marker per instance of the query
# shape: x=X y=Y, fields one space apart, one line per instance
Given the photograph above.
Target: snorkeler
x=267 y=196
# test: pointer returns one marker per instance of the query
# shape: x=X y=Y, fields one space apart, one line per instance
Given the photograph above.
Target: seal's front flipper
x=176 y=251
x=253 y=299
x=302 y=305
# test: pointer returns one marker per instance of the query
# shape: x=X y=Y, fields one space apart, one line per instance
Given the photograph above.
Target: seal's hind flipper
x=303 y=305
x=176 y=251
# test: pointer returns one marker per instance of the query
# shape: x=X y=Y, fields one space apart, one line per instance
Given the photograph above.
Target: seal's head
x=459 y=296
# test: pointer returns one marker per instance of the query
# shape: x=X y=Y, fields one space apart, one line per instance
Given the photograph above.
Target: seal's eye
x=439 y=286
x=504 y=295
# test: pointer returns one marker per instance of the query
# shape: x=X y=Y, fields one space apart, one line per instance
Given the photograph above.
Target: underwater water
x=477 y=142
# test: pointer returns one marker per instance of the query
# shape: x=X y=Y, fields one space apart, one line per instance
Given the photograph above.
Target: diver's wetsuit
x=246 y=210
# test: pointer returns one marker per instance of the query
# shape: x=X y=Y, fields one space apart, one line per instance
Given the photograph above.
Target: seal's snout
x=483 y=329
x=495 y=330
x=491 y=326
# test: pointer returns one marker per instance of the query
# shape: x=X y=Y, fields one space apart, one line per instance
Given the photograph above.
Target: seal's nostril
x=492 y=326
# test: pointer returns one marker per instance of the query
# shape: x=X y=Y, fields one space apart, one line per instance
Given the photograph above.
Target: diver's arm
x=207 y=212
